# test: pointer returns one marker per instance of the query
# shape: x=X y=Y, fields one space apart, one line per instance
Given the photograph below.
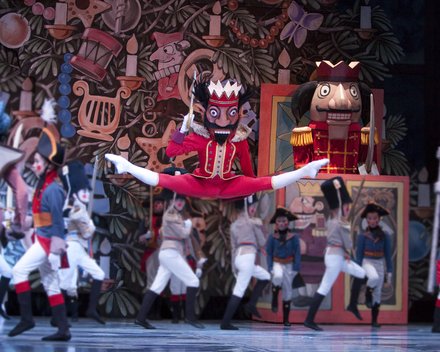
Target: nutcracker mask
x=222 y=107
x=336 y=97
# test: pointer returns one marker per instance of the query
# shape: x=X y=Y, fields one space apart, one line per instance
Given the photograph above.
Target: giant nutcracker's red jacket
x=313 y=143
x=214 y=159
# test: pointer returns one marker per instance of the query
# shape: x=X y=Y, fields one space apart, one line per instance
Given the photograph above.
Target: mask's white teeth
x=223 y=132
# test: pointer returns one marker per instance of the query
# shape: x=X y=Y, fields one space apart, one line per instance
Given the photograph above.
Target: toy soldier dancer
x=436 y=323
x=80 y=229
x=219 y=142
x=283 y=260
x=339 y=245
x=175 y=229
x=247 y=238
x=6 y=274
x=45 y=253
x=373 y=250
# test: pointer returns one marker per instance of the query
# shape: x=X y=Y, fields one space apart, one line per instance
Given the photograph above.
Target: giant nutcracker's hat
x=374 y=208
x=339 y=72
x=224 y=94
x=49 y=149
x=330 y=188
x=281 y=211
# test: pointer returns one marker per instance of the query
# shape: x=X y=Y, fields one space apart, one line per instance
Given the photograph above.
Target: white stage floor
x=120 y=335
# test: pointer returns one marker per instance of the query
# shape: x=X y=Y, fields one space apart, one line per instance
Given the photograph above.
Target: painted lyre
x=99 y=116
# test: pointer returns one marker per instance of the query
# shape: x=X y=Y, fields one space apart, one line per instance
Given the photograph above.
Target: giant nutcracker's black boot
x=93 y=301
x=313 y=309
x=59 y=314
x=436 y=323
x=286 y=312
x=26 y=322
x=275 y=292
x=147 y=303
x=374 y=315
x=4 y=285
x=190 y=311
x=233 y=304
x=355 y=289
x=251 y=306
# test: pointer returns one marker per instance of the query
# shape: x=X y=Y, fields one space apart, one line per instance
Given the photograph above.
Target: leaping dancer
x=218 y=143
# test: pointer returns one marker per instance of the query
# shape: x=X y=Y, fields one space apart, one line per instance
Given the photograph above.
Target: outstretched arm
x=123 y=165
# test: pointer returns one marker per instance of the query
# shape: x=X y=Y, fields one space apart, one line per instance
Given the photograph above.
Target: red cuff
x=22 y=287
x=56 y=300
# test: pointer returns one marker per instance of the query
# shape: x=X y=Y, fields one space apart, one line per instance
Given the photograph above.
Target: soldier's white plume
x=48 y=111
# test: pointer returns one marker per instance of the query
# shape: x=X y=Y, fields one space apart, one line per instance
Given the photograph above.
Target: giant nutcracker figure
x=219 y=142
x=338 y=103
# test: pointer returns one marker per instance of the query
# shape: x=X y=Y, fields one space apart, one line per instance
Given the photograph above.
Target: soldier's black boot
x=355 y=289
x=190 y=308
x=374 y=315
x=4 y=285
x=275 y=292
x=232 y=306
x=93 y=301
x=369 y=297
x=286 y=312
x=147 y=303
x=251 y=306
x=60 y=315
x=26 y=322
x=436 y=323
x=313 y=309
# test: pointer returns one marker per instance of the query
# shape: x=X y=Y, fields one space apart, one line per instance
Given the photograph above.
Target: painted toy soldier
x=373 y=252
x=339 y=245
x=337 y=103
x=45 y=254
x=247 y=237
x=283 y=260
x=219 y=143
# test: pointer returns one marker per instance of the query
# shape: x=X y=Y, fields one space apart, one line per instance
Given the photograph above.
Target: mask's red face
x=222 y=113
x=222 y=121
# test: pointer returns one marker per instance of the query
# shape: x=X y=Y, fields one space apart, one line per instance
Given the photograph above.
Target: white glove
x=187 y=121
x=199 y=273
x=389 y=278
x=187 y=223
x=146 y=236
x=201 y=261
x=54 y=261
x=121 y=164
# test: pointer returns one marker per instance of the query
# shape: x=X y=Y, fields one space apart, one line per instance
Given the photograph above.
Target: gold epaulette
x=365 y=136
x=301 y=136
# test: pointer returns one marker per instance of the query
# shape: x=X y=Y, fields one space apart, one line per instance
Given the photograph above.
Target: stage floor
x=120 y=335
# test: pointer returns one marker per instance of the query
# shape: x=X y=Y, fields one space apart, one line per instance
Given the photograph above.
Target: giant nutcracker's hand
x=122 y=165
x=186 y=124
